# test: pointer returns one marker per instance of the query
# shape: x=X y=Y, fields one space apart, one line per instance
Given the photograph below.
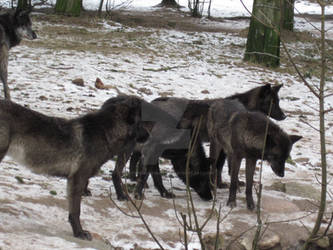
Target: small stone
x=99 y=84
x=205 y=91
x=43 y=98
x=246 y=243
x=78 y=82
x=323 y=242
x=269 y=242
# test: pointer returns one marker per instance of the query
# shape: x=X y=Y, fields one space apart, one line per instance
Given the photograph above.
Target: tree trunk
x=22 y=4
x=100 y=7
x=194 y=6
x=287 y=13
x=168 y=3
x=263 y=40
x=69 y=7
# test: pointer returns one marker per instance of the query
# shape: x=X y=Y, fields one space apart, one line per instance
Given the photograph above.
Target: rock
x=99 y=84
x=323 y=242
x=269 y=241
x=78 y=82
x=205 y=91
x=247 y=243
x=210 y=238
x=43 y=98
x=302 y=160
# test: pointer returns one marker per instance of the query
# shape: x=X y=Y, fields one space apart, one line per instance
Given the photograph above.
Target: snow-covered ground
x=33 y=214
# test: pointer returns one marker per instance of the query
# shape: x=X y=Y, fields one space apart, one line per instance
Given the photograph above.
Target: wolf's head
x=22 y=24
x=278 y=147
x=268 y=94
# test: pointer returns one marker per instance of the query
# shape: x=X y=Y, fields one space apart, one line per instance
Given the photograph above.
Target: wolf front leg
x=249 y=169
x=75 y=187
x=117 y=173
x=4 y=69
x=234 y=162
x=158 y=182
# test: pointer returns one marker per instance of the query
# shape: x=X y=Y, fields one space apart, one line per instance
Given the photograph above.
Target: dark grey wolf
x=241 y=134
x=167 y=141
x=75 y=148
x=13 y=27
x=258 y=98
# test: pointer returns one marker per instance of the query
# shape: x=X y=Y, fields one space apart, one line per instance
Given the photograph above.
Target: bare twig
x=259 y=194
x=307 y=123
x=118 y=207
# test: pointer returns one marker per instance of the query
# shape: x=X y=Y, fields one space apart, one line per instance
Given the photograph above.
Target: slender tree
x=263 y=40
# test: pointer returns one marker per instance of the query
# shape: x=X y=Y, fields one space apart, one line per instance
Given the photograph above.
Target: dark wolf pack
x=237 y=127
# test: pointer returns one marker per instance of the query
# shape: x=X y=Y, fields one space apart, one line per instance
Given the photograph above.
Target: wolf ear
x=265 y=90
x=277 y=88
x=196 y=109
x=295 y=138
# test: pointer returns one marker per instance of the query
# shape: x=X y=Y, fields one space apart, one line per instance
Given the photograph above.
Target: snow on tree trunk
x=263 y=40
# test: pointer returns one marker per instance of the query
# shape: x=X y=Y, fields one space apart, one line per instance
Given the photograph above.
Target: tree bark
x=22 y=4
x=100 y=7
x=263 y=40
x=69 y=7
x=287 y=13
x=168 y=3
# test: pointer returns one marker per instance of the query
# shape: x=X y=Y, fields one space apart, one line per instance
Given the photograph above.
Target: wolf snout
x=34 y=35
x=283 y=116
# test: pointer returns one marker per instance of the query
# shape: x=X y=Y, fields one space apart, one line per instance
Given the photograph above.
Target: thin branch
x=329 y=224
x=185 y=233
x=309 y=106
x=305 y=122
x=259 y=194
x=119 y=208
x=145 y=223
x=328 y=110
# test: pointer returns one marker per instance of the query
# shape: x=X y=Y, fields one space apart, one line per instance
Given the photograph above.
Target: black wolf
x=13 y=27
x=258 y=99
x=241 y=134
x=75 y=148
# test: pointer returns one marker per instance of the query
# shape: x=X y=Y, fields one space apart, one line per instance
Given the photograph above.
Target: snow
x=209 y=65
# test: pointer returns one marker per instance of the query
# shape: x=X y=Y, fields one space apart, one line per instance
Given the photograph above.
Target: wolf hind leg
x=4 y=140
x=4 y=70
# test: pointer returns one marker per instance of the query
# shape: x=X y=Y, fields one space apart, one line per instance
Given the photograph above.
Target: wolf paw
x=139 y=196
x=84 y=235
x=122 y=197
x=241 y=183
x=231 y=204
x=250 y=205
x=168 y=195
x=222 y=185
x=86 y=192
